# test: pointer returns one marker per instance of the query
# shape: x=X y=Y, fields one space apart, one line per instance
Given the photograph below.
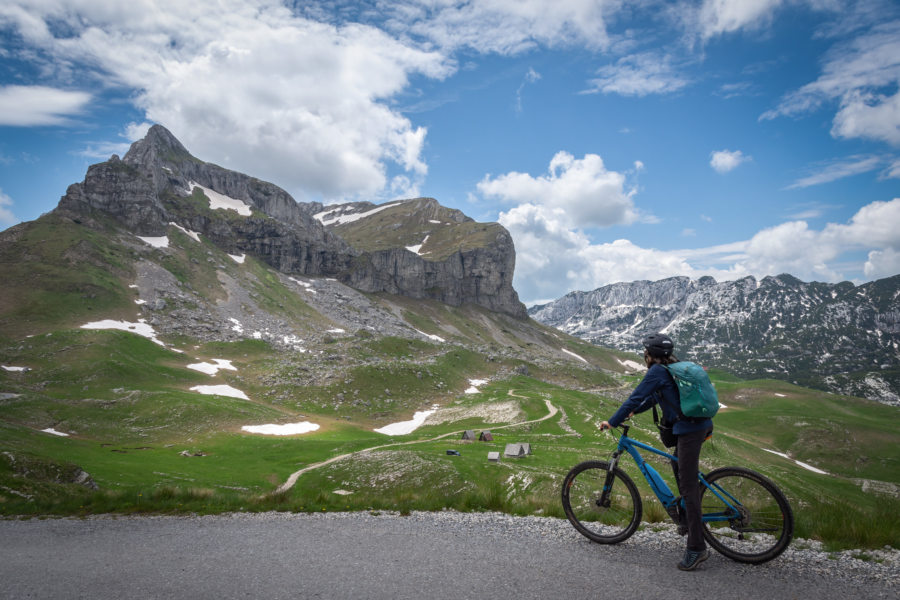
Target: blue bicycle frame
x=659 y=485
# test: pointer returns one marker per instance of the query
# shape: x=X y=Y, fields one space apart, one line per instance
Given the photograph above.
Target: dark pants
x=688 y=452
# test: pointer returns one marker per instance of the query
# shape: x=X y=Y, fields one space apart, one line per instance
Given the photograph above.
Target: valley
x=163 y=351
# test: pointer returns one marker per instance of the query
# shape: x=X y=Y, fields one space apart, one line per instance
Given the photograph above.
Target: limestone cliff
x=159 y=182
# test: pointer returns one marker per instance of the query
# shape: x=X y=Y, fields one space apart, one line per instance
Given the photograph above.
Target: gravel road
x=373 y=556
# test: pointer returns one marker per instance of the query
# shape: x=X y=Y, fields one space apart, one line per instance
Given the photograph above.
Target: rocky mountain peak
x=159 y=184
x=157 y=147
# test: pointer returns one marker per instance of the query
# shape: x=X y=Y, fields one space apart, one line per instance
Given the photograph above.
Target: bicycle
x=745 y=516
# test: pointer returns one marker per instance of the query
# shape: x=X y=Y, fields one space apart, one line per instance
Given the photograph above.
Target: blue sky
x=616 y=140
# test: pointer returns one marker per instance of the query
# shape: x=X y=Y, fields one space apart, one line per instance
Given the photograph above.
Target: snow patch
x=294 y=341
x=239 y=259
x=217 y=200
x=404 y=427
x=52 y=431
x=141 y=328
x=630 y=364
x=798 y=463
x=418 y=247
x=475 y=384
x=187 y=232
x=237 y=327
x=286 y=429
x=305 y=284
x=220 y=390
x=435 y=338
x=14 y=369
x=326 y=218
x=156 y=242
x=570 y=353
x=211 y=368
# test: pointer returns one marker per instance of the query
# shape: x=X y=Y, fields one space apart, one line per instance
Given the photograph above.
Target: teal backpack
x=696 y=392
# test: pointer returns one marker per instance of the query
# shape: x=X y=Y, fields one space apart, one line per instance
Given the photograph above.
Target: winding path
x=292 y=479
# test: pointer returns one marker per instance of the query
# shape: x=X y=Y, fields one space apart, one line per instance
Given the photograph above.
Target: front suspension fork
x=603 y=501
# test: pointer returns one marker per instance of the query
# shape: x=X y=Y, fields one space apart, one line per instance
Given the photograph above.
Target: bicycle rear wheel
x=607 y=522
x=755 y=521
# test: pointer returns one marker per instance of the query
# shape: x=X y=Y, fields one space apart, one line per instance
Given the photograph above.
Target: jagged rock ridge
x=839 y=337
x=159 y=182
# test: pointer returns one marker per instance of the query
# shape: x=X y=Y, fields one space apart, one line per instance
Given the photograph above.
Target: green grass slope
x=139 y=438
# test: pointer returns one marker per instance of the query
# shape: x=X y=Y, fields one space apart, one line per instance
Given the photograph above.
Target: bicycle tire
x=765 y=525
x=581 y=492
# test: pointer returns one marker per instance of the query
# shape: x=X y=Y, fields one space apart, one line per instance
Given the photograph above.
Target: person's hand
x=605 y=425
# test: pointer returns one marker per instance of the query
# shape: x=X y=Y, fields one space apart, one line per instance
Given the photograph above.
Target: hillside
x=163 y=350
x=836 y=337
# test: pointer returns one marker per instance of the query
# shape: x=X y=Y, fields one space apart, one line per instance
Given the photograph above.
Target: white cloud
x=838 y=169
x=505 y=26
x=717 y=17
x=882 y=263
x=893 y=170
x=575 y=193
x=724 y=161
x=30 y=106
x=531 y=76
x=638 y=75
x=856 y=73
x=870 y=116
x=6 y=215
x=250 y=86
x=551 y=257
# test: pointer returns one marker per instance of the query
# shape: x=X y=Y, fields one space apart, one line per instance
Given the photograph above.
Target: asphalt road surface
x=358 y=555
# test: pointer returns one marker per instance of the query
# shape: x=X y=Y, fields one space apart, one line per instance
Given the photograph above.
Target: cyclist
x=690 y=433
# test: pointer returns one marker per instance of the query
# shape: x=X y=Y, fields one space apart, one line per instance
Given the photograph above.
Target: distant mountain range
x=838 y=337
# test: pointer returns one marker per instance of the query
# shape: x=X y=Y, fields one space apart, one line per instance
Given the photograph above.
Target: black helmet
x=659 y=345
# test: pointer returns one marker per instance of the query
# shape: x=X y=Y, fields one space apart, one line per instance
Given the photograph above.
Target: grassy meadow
x=152 y=445
x=147 y=442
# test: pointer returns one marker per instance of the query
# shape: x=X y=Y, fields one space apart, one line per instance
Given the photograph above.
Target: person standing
x=658 y=387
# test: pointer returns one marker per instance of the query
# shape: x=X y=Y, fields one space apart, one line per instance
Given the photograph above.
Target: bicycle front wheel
x=746 y=517
x=606 y=520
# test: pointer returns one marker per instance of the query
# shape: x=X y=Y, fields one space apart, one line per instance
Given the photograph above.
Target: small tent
x=486 y=436
x=468 y=434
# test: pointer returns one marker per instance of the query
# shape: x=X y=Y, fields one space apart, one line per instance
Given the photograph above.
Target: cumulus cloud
x=505 y=26
x=550 y=256
x=251 y=86
x=882 y=263
x=867 y=115
x=6 y=215
x=716 y=17
x=862 y=75
x=724 y=161
x=574 y=193
x=28 y=106
x=638 y=75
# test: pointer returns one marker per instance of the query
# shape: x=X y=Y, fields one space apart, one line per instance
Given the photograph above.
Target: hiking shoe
x=692 y=559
